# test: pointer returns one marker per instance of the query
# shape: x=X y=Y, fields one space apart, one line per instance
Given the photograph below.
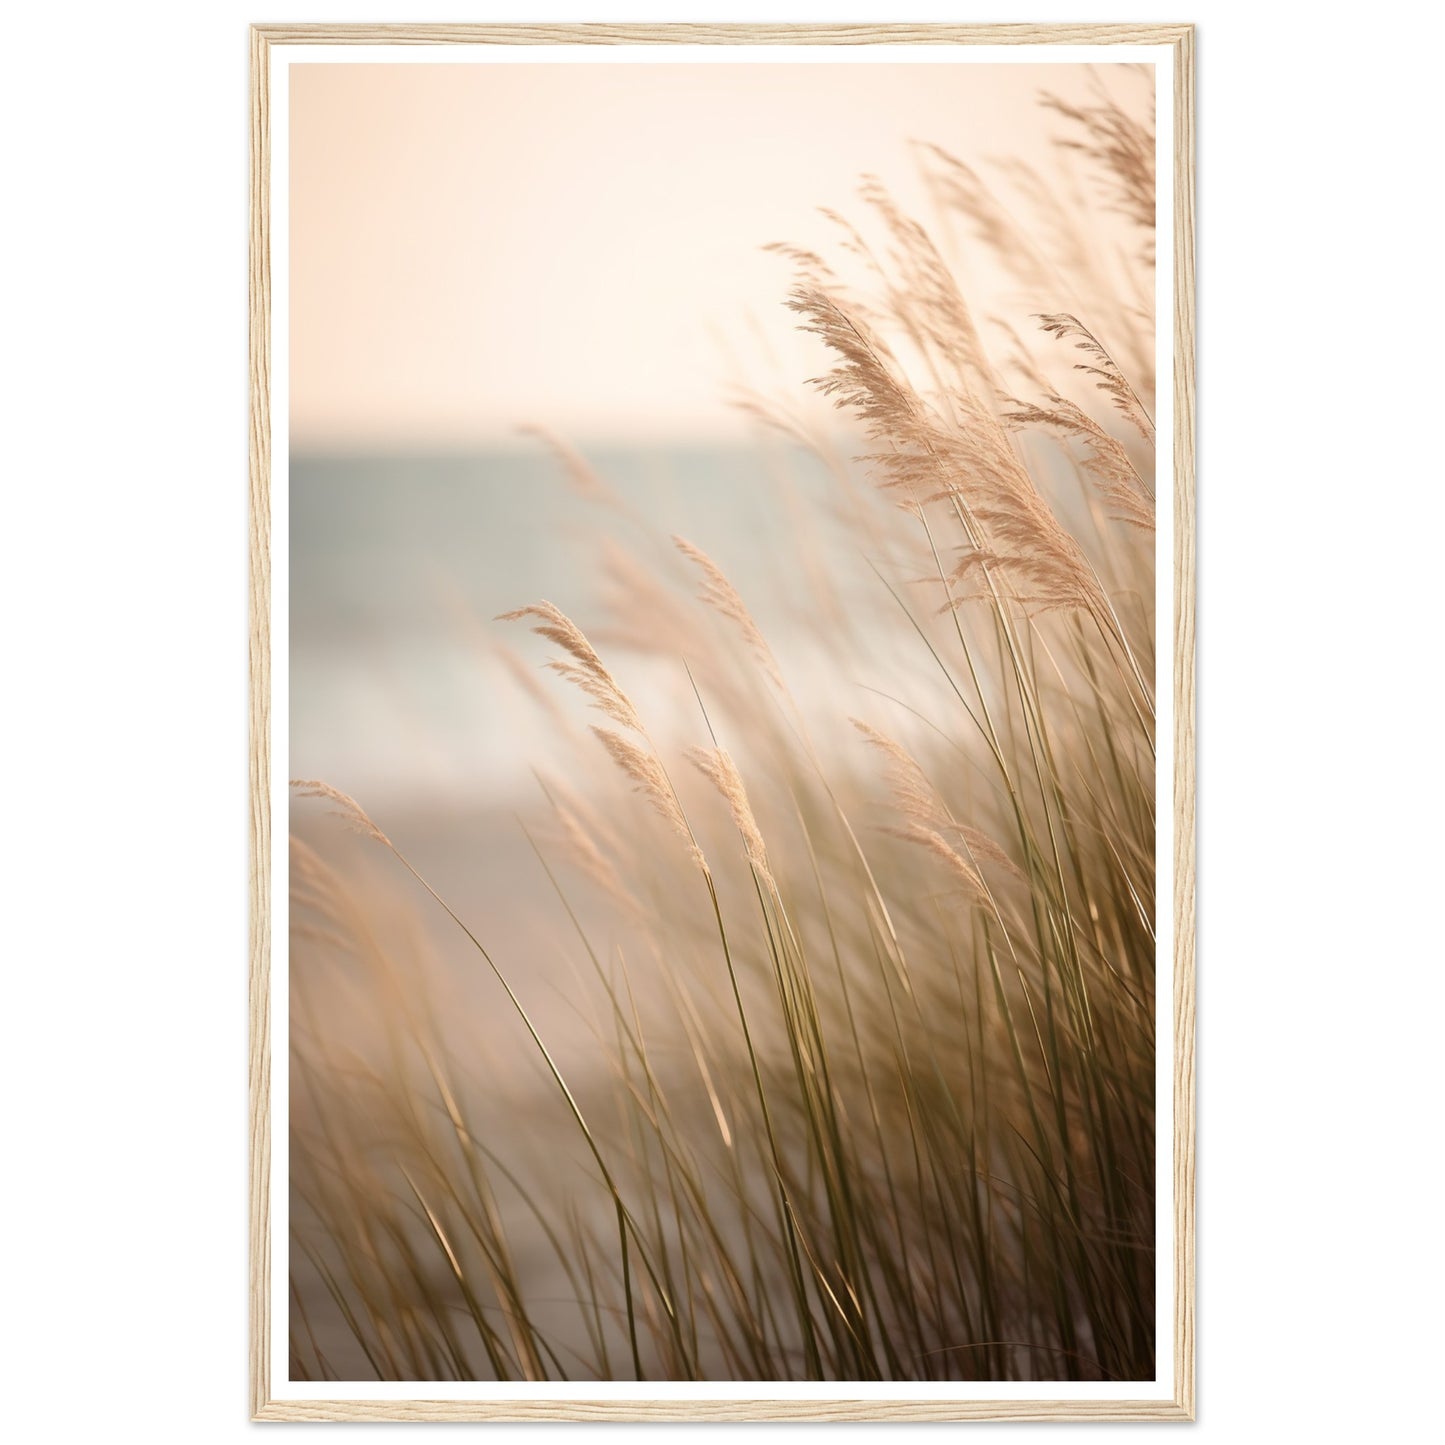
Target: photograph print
x=723 y=682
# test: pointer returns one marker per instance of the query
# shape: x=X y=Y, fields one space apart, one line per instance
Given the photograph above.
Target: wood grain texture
x=259 y=1063
x=1184 y=570
x=703 y=34
x=1182 y=1408
x=651 y=1412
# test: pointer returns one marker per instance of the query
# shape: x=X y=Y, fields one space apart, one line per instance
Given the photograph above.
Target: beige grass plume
x=911 y=790
x=720 y=770
x=957 y=186
x=651 y=780
x=864 y=381
x=1021 y=543
x=583 y=476
x=1124 y=149
x=1102 y=367
x=1107 y=462
x=1017 y=540
x=322 y=908
x=809 y=264
x=316 y=887
x=344 y=806
x=928 y=300
x=642 y=609
x=812 y=271
x=586 y=668
x=918 y=801
x=960 y=868
x=1019 y=356
x=580 y=829
x=721 y=594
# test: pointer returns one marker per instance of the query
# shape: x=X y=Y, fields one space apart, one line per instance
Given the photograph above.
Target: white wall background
x=124 y=749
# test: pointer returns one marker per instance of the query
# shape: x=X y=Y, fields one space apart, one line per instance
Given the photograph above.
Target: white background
x=123 y=732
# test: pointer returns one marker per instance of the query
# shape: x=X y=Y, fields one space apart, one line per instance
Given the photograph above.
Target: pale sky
x=479 y=247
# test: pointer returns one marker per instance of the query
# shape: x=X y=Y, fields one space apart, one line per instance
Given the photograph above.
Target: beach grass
x=865 y=1086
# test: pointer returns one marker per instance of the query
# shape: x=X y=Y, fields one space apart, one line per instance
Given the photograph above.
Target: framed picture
x=722 y=722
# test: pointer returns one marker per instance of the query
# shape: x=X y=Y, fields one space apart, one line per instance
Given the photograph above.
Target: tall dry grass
x=865 y=1081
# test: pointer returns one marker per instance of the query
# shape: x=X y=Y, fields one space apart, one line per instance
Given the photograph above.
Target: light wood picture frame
x=269 y=1399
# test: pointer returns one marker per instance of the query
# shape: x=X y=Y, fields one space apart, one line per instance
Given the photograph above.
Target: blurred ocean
x=399 y=564
x=398 y=695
